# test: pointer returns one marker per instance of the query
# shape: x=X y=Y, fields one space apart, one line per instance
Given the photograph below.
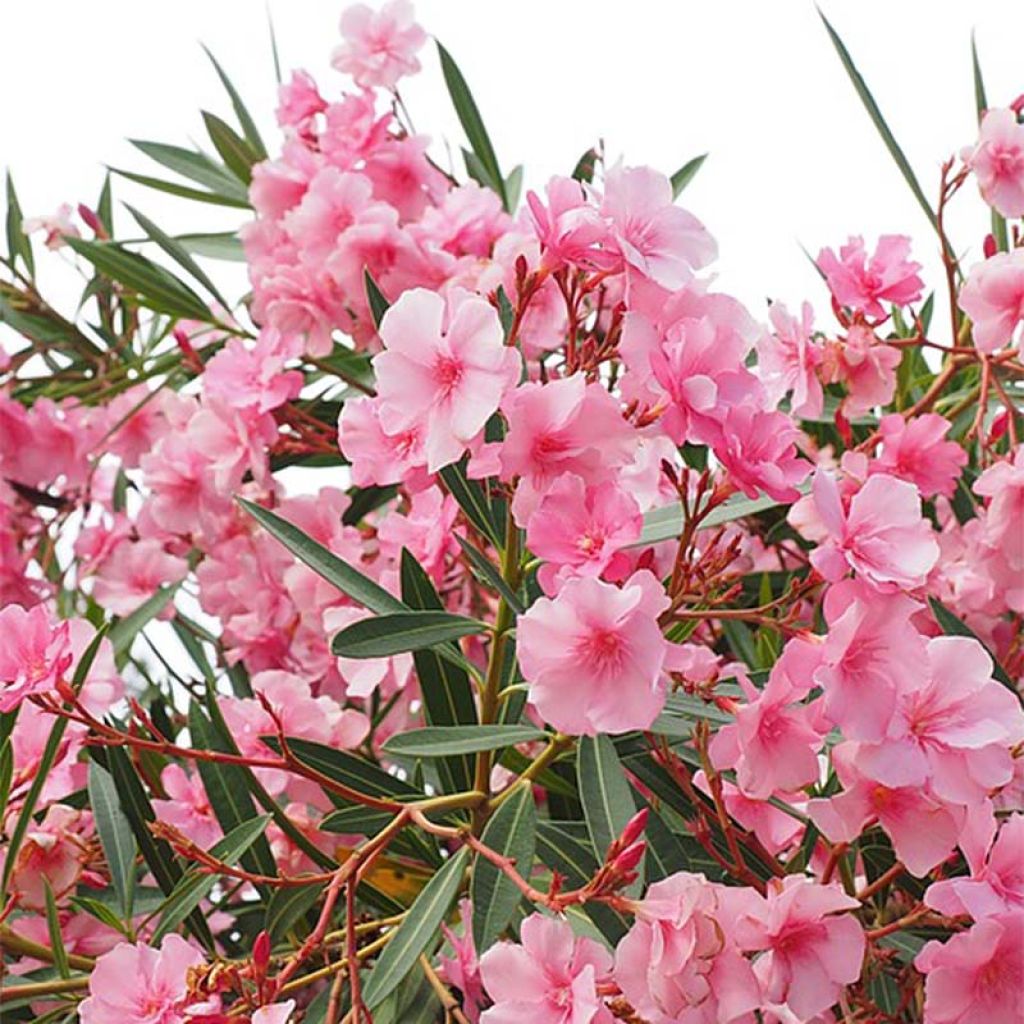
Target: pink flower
x=758 y=450
x=252 y=378
x=789 y=360
x=954 y=729
x=594 y=656
x=1003 y=484
x=997 y=161
x=34 y=654
x=187 y=807
x=977 y=976
x=773 y=743
x=299 y=101
x=871 y=651
x=53 y=853
x=564 y=426
x=994 y=887
x=377 y=457
x=863 y=284
x=132 y=574
x=578 y=529
x=552 y=977
x=278 y=1013
x=883 y=536
x=659 y=240
x=57 y=226
x=445 y=369
x=463 y=969
x=867 y=366
x=679 y=961
x=379 y=47
x=993 y=298
x=811 y=949
x=333 y=202
x=914 y=450
x=570 y=227
x=142 y=985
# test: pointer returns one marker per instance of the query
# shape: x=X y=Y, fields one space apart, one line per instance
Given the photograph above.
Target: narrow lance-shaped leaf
x=686 y=174
x=115 y=832
x=472 y=124
x=607 y=799
x=196 y=166
x=418 y=929
x=512 y=832
x=248 y=125
x=398 y=632
x=18 y=245
x=441 y=741
x=234 y=150
x=375 y=297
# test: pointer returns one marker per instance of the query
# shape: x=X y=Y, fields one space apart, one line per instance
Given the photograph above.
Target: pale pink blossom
x=378 y=457
x=298 y=103
x=138 y=984
x=995 y=886
x=997 y=160
x=445 y=369
x=657 y=239
x=993 y=298
x=187 y=806
x=678 y=962
x=278 y=1013
x=863 y=283
x=870 y=653
x=380 y=46
x=1003 y=484
x=462 y=969
x=810 y=949
x=977 y=976
x=132 y=574
x=403 y=177
x=914 y=450
x=34 y=654
x=56 y=226
x=578 y=530
x=867 y=366
x=882 y=536
x=757 y=448
x=53 y=853
x=252 y=378
x=551 y=977
x=773 y=743
x=595 y=655
x=570 y=227
x=789 y=359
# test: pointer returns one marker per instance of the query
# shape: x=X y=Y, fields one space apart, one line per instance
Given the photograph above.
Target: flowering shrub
x=485 y=619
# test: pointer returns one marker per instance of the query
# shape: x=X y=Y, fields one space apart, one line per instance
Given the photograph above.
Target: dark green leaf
x=248 y=125
x=584 y=169
x=159 y=289
x=512 y=832
x=115 y=832
x=398 y=632
x=375 y=297
x=607 y=799
x=6 y=774
x=234 y=150
x=286 y=906
x=124 y=632
x=417 y=930
x=222 y=245
x=489 y=574
x=472 y=124
x=356 y=819
x=18 y=244
x=183 y=191
x=195 y=887
x=472 y=500
x=440 y=741
x=198 y=167
x=686 y=174
x=60 y=954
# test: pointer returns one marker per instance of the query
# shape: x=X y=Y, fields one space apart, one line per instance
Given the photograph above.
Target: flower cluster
x=486 y=548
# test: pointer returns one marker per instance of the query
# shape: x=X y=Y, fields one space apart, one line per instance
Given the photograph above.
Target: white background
x=794 y=158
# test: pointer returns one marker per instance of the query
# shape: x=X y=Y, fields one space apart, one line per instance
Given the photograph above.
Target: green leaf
x=6 y=774
x=220 y=245
x=472 y=124
x=489 y=574
x=125 y=630
x=879 y=122
x=512 y=832
x=514 y=187
x=441 y=741
x=18 y=244
x=195 y=887
x=234 y=150
x=375 y=297
x=416 y=931
x=159 y=289
x=584 y=169
x=953 y=626
x=472 y=499
x=286 y=906
x=197 y=167
x=335 y=570
x=686 y=174
x=248 y=125
x=667 y=522
x=448 y=698
x=349 y=770
x=604 y=791
x=60 y=954
x=398 y=632
x=183 y=191
x=356 y=819
x=115 y=833
x=226 y=788
x=999 y=232
x=178 y=253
